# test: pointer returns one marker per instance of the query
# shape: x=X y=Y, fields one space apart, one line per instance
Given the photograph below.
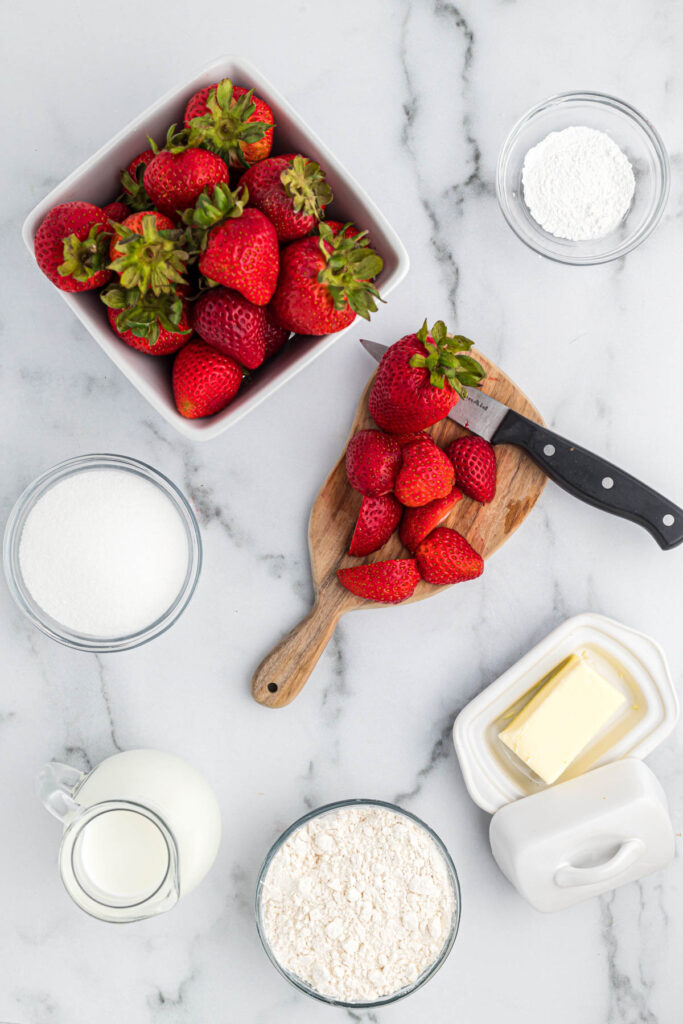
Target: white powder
x=104 y=552
x=577 y=183
x=358 y=903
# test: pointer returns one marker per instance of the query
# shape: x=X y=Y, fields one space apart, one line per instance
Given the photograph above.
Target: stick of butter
x=562 y=718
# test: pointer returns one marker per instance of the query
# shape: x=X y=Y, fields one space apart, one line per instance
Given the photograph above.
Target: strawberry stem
x=226 y=126
x=349 y=267
x=85 y=258
x=152 y=259
x=445 y=361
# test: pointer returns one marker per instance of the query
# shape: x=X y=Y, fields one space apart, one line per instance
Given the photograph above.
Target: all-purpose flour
x=577 y=183
x=104 y=552
x=358 y=903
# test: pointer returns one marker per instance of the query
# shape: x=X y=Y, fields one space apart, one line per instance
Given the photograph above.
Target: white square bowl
x=97 y=180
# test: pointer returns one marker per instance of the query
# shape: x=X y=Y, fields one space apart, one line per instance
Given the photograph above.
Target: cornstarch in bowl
x=358 y=903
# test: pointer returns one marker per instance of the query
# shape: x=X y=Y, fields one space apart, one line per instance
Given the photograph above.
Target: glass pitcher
x=118 y=858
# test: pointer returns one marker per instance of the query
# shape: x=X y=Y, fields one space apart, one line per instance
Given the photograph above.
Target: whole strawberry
x=420 y=378
x=474 y=462
x=291 y=191
x=239 y=245
x=204 y=380
x=147 y=252
x=325 y=281
x=426 y=473
x=72 y=246
x=154 y=325
x=377 y=520
x=372 y=462
x=390 y=582
x=177 y=175
x=233 y=325
x=134 y=193
x=116 y=211
x=446 y=557
x=230 y=121
x=418 y=523
x=276 y=336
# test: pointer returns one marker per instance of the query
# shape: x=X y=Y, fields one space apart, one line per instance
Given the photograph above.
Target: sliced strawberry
x=446 y=557
x=377 y=520
x=426 y=474
x=418 y=523
x=390 y=582
x=372 y=461
x=474 y=462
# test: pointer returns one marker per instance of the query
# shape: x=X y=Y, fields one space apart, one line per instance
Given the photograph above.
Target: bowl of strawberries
x=215 y=247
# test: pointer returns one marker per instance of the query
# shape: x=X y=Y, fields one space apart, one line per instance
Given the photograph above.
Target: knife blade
x=578 y=471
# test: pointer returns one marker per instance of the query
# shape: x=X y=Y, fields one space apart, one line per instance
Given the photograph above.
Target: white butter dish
x=631 y=661
x=579 y=839
x=97 y=181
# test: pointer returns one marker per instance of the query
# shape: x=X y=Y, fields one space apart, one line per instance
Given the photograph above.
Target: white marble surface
x=416 y=98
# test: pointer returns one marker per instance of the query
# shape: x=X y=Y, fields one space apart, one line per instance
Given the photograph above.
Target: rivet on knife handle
x=594 y=480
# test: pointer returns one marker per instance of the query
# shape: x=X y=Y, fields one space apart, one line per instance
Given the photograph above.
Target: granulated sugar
x=104 y=552
x=358 y=903
x=577 y=183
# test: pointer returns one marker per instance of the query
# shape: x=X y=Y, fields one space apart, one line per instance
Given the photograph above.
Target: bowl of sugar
x=583 y=178
x=102 y=553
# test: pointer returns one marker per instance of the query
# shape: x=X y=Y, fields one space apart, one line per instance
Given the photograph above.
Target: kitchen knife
x=583 y=474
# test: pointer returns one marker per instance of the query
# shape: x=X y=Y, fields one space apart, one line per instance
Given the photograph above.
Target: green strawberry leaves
x=211 y=208
x=144 y=315
x=134 y=194
x=226 y=125
x=85 y=258
x=445 y=360
x=349 y=268
x=152 y=260
x=304 y=182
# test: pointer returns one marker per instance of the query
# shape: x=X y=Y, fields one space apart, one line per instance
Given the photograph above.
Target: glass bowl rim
x=449 y=942
x=12 y=537
x=599 y=99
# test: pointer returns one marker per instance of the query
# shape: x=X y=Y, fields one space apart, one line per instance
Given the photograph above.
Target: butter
x=562 y=718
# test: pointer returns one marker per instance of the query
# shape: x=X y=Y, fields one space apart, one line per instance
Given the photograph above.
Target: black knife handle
x=594 y=480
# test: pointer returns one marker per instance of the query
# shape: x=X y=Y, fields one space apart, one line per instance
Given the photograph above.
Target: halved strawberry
x=418 y=523
x=474 y=462
x=372 y=461
x=390 y=582
x=446 y=557
x=377 y=520
x=426 y=473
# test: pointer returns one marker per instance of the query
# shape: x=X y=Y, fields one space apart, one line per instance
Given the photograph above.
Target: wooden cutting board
x=283 y=673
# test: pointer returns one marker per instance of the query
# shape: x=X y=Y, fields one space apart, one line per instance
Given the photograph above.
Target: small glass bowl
x=634 y=135
x=428 y=973
x=33 y=611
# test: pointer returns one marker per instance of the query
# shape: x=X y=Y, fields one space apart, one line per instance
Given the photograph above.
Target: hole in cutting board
x=272 y=687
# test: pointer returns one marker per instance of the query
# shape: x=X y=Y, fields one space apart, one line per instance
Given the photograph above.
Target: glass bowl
x=634 y=135
x=22 y=596
x=428 y=973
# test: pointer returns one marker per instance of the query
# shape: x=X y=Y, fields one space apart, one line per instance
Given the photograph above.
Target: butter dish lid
x=580 y=838
x=631 y=661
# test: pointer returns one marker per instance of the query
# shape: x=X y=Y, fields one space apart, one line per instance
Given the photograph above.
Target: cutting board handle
x=284 y=672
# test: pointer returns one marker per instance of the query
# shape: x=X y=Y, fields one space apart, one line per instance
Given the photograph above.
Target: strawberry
x=446 y=557
x=239 y=246
x=147 y=253
x=325 y=281
x=150 y=323
x=292 y=192
x=71 y=247
x=276 y=336
x=178 y=174
x=204 y=380
x=134 y=193
x=116 y=211
x=377 y=520
x=230 y=121
x=406 y=439
x=372 y=461
x=418 y=523
x=233 y=325
x=420 y=378
x=426 y=473
x=391 y=581
x=474 y=461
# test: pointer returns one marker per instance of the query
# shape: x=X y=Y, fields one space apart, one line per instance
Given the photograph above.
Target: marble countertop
x=416 y=98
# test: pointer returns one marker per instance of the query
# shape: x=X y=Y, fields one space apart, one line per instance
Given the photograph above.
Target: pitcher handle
x=55 y=786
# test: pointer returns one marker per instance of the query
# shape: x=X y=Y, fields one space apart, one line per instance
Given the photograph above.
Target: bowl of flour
x=583 y=178
x=358 y=903
x=102 y=553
